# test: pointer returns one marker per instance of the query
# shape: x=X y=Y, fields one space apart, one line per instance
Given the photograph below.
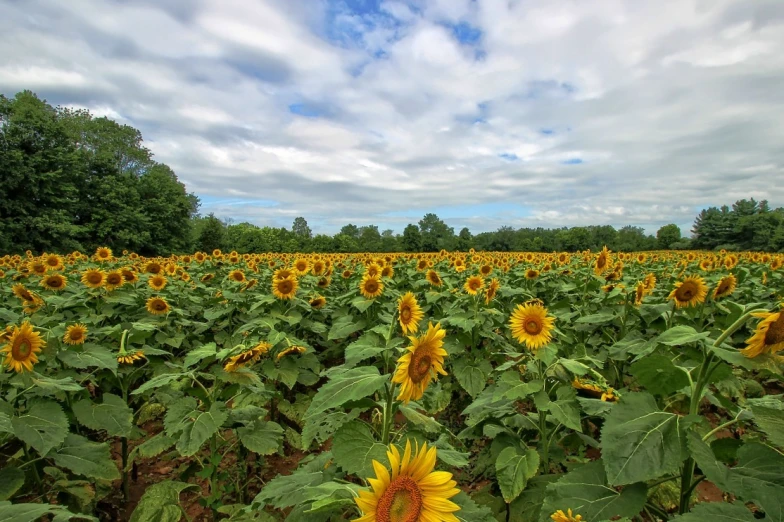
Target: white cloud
x=671 y=106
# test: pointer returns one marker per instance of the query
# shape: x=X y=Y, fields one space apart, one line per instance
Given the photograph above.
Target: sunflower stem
x=388 y=414
x=37 y=476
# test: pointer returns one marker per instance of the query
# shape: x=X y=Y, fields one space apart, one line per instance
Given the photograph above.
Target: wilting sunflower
x=206 y=277
x=422 y=363
x=103 y=254
x=492 y=290
x=130 y=357
x=237 y=276
x=531 y=325
x=371 y=287
x=75 y=334
x=23 y=346
x=639 y=293
x=93 y=278
x=409 y=313
x=247 y=357
x=114 y=280
x=474 y=284
x=56 y=282
x=290 y=350
x=769 y=335
x=23 y=293
x=413 y=492
x=157 y=282
x=604 y=392
x=158 y=306
x=250 y=283
x=285 y=288
x=318 y=302
x=433 y=278
x=689 y=292
x=560 y=516
x=602 y=262
x=725 y=287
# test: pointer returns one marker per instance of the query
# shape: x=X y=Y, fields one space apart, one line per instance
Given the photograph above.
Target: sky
x=487 y=112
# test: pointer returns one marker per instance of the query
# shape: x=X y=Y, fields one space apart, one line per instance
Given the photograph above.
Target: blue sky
x=486 y=112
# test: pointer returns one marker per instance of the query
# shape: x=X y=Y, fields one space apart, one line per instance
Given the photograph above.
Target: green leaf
x=5 y=423
x=342 y=329
x=759 y=477
x=113 y=415
x=204 y=425
x=367 y=346
x=566 y=409
x=679 y=335
x=659 y=375
x=200 y=353
x=154 y=446
x=512 y=387
x=89 y=356
x=262 y=437
x=717 y=512
x=350 y=385
x=43 y=427
x=528 y=505
x=470 y=511
x=33 y=513
x=472 y=377
x=584 y=490
x=161 y=502
x=157 y=382
x=513 y=470
x=703 y=455
x=11 y=480
x=66 y=384
x=600 y=318
x=179 y=414
x=426 y=423
x=86 y=458
x=573 y=366
x=771 y=421
x=355 y=449
x=640 y=442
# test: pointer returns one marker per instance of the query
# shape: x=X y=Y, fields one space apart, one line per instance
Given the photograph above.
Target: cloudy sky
x=487 y=112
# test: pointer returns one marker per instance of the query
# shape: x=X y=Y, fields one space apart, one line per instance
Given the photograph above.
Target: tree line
x=72 y=181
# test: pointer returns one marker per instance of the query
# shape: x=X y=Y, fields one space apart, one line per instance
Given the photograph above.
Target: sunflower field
x=475 y=387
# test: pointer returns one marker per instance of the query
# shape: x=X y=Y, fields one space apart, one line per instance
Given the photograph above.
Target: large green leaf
x=112 y=415
x=640 y=442
x=355 y=449
x=205 y=424
x=528 y=505
x=514 y=467
x=470 y=511
x=11 y=480
x=585 y=491
x=350 y=385
x=717 y=512
x=89 y=356
x=161 y=502
x=771 y=421
x=471 y=376
x=91 y=459
x=43 y=427
x=703 y=455
x=200 y=353
x=179 y=414
x=344 y=328
x=679 y=335
x=33 y=513
x=566 y=409
x=759 y=477
x=262 y=437
x=659 y=375
x=369 y=345
x=512 y=387
x=157 y=382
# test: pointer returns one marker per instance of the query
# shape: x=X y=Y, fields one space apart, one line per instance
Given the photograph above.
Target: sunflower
x=247 y=357
x=422 y=363
x=206 y=277
x=474 y=284
x=531 y=325
x=158 y=306
x=689 y=292
x=23 y=345
x=283 y=273
x=301 y=266
x=130 y=358
x=725 y=287
x=157 y=282
x=153 y=267
x=129 y=276
x=604 y=392
x=639 y=293
x=421 y=264
x=413 y=492
x=290 y=350
x=531 y=273
x=237 y=276
x=32 y=307
x=23 y=293
x=560 y=516
x=324 y=282
x=285 y=288
x=37 y=268
x=53 y=262
x=114 y=280
x=56 y=282
x=371 y=287
x=388 y=271
x=776 y=263
x=433 y=278
x=75 y=334
x=250 y=283
x=93 y=278
x=650 y=283
x=103 y=253
x=346 y=274
x=769 y=335
x=602 y=262
x=492 y=290
x=486 y=270
x=409 y=313
x=318 y=302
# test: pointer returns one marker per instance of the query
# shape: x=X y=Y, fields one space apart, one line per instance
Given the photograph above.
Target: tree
x=350 y=231
x=213 y=234
x=389 y=241
x=412 y=239
x=435 y=233
x=166 y=202
x=464 y=240
x=667 y=235
x=301 y=228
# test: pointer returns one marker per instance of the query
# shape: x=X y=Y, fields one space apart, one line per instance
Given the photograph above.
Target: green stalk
x=388 y=414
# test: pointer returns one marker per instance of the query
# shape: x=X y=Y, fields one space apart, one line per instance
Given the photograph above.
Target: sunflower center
x=601 y=262
x=159 y=305
x=686 y=292
x=371 y=287
x=475 y=284
x=419 y=368
x=405 y=314
x=401 y=502
x=285 y=287
x=54 y=282
x=94 y=278
x=21 y=349
x=75 y=335
x=775 y=333
x=113 y=279
x=532 y=327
